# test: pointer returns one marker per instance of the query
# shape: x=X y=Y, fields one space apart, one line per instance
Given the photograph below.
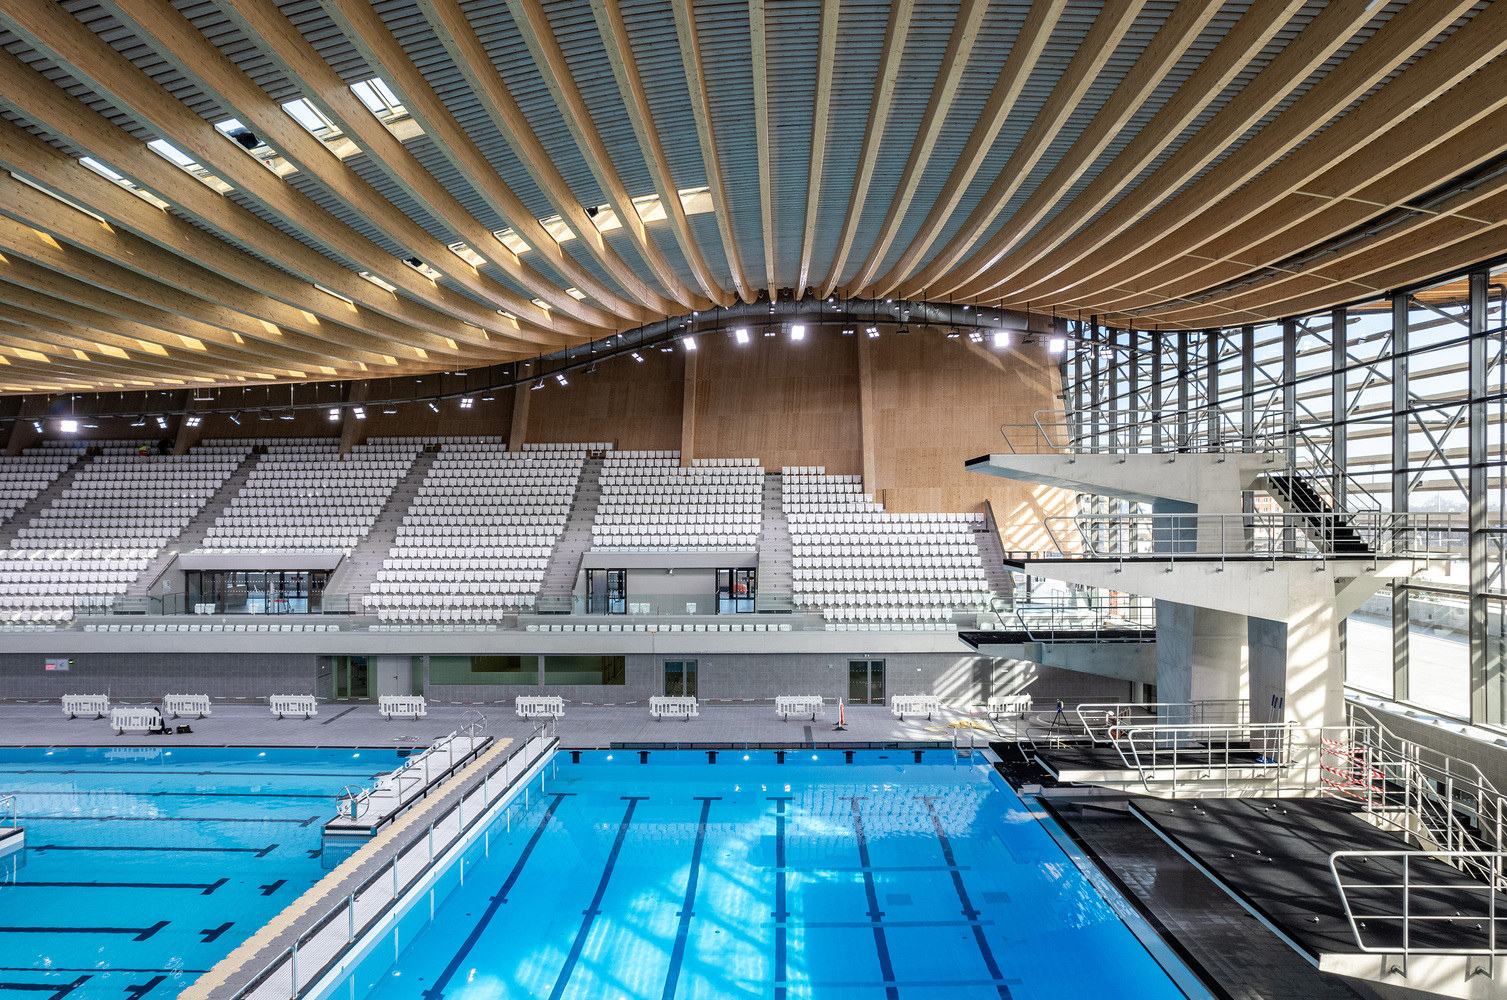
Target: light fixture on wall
x=560 y=377
x=433 y=406
x=235 y=418
x=140 y=421
x=638 y=357
x=1057 y=345
x=537 y=385
x=162 y=422
x=975 y=336
x=68 y=426
x=359 y=412
x=1001 y=339
x=741 y=334
x=466 y=402
x=953 y=334
x=798 y=332
x=689 y=341
x=334 y=413
x=193 y=420
x=873 y=332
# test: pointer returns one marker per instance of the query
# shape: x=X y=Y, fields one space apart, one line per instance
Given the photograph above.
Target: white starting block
x=530 y=706
x=1009 y=704
x=305 y=705
x=145 y=719
x=786 y=705
x=673 y=708
x=185 y=704
x=97 y=705
x=902 y=705
x=402 y=704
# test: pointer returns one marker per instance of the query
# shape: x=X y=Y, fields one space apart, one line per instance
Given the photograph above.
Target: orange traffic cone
x=842 y=718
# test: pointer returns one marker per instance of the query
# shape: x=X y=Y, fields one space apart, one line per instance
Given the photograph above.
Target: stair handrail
x=1195 y=430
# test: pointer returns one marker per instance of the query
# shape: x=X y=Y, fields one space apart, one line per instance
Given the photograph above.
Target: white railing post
x=293 y=969
x=350 y=935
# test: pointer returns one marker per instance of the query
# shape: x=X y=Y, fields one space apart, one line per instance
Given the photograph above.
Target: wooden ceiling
x=236 y=191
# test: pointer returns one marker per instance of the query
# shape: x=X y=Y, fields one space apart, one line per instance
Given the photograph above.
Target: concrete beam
x=1209 y=483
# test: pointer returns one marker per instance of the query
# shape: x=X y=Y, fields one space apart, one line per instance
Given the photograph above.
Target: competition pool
x=144 y=867
x=884 y=877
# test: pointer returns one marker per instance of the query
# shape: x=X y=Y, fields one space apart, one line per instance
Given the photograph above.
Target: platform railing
x=9 y=818
x=1088 y=613
x=1106 y=722
x=1120 y=432
x=1393 y=914
x=1173 y=538
x=321 y=947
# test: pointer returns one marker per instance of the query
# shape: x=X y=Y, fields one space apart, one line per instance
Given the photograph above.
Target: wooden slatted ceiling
x=544 y=172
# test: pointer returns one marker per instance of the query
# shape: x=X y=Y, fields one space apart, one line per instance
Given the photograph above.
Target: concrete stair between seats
x=998 y=576
x=192 y=535
x=776 y=578
x=358 y=571
x=565 y=559
x=40 y=502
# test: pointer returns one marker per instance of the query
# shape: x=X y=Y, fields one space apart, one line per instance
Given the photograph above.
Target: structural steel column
x=1115 y=361
x=1096 y=389
x=1156 y=389
x=1338 y=452
x=1211 y=388
x=1290 y=413
x=1480 y=705
x=1184 y=371
x=1248 y=386
x=1133 y=414
x=1400 y=606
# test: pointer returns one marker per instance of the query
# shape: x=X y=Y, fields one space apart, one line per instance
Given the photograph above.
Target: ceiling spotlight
x=1057 y=345
x=286 y=415
x=689 y=342
x=235 y=418
x=193 y=421
x=390 y=408
x=36 y=425
x=466 y=402
x=637 y=356
x=359 y=412
x=770 y=331
x=433 y=407
x=975 y=336
x=953 y=334
x=798 y=332
x=68 y=426
x=334 y=413
x=140 y=421
x=902 y=331
x=560 y=377
x=263 y=415
x=591 y=368
x=872 y=331
x=162 y=422
x=537 y=385
x=1001 y=339
x=741 y=335
x=848 y=331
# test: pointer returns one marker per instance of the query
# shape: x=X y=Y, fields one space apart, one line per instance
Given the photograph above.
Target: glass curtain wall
x=1397 y=403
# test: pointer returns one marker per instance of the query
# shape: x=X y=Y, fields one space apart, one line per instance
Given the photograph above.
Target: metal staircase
x=1330 y=531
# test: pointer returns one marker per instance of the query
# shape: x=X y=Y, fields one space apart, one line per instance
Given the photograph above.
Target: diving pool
x=884 y=877
x=144 y=867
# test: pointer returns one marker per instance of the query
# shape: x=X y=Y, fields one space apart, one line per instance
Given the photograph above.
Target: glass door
x=606 y=591
x=866 y=682
x=680 y=678
x=350 y=677
x=735 y=590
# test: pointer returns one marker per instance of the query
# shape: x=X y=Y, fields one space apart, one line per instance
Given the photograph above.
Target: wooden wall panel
x=635 y=404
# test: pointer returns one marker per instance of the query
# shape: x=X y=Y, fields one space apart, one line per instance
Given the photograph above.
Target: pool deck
x=357 y=724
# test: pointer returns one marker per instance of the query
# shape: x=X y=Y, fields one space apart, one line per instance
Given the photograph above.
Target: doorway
x=350 y=677
x=680 y=678
x=866 y=682
x=606 y=591
x=736 y=589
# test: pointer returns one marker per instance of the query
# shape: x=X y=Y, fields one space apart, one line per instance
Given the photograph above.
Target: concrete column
x=518 y=430
x=1200 y=654
x=688 y=409
x=1297 y=672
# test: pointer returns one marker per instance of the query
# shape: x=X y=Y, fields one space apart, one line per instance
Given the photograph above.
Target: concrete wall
x=132 y=675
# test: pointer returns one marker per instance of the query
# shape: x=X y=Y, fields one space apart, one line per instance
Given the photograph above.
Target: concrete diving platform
x=364 y=812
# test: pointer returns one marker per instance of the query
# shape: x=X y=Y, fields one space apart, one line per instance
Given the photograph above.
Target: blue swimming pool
x=146 y=866
x=746 y=878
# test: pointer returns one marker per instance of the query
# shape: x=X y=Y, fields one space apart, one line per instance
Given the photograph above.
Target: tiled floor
x=1247 y=961
x=358 y=724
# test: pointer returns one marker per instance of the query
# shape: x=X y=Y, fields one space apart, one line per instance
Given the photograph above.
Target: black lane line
x=95 y=968
x=677 y=954
x=210 y=933
x=268 y=890
x=590 y=914
x=969 y=912
x=780 y=913
x=142 y=989
x=438 y=989
x=168 y=819
x=140 y=933
x=58 y=992
x=876 y=915
x=207 y=888
x=260 y=852
x=332 y=718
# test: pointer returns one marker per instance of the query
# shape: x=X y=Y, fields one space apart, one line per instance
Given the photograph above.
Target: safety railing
x=8 y=815
x=419 y=773
x=1100 y=612
x=1106 y=722
x=1123 y=432
x=1424 y=902
x=322 y=946
x=1258 y=536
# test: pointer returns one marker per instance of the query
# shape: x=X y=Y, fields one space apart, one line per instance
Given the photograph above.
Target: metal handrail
x=1105 y=722
x=1263 y=536
x=8 y=802
x=1489 y=861
x=1099 y=431
x=543 y=738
